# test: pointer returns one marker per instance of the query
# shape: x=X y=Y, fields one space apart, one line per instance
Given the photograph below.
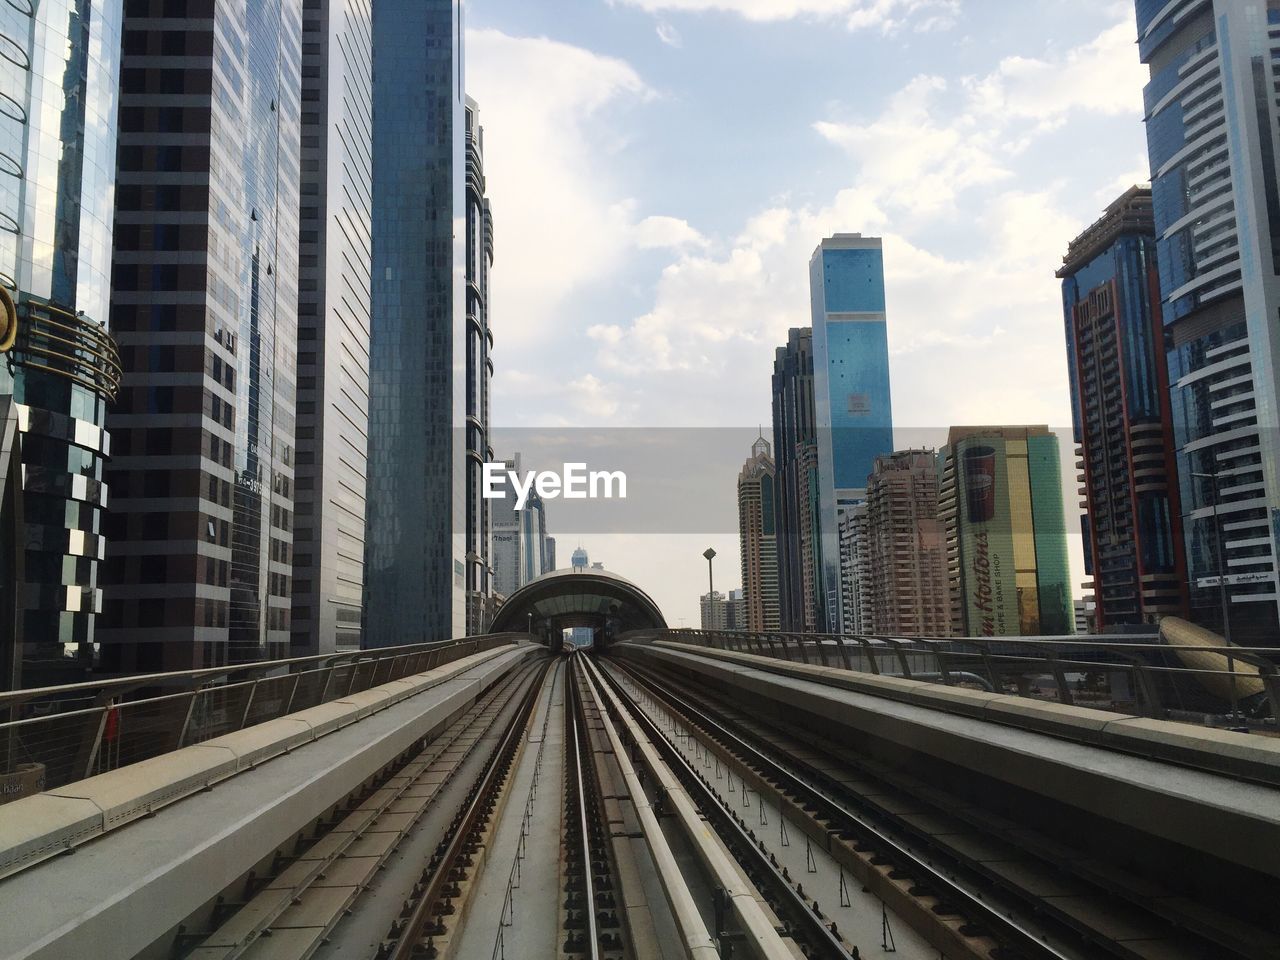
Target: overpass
x=667 y=794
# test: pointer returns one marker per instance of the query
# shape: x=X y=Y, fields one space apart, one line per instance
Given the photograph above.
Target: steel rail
x=406 y=944
x=696 y=938
x=577 y=720
x=1014 y=933
x=795 y=908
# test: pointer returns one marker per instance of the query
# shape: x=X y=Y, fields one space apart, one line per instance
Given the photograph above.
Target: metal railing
x=1122 y=672
x=53 y=736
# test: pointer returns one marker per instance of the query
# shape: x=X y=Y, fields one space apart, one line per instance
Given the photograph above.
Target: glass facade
x=795 y=489
x=479 y=375
x=1212 y=123
x=204 y=304
x=415 y=559
x=1001 y=502
x=58 y=126
x=334 y=313
x=852 y=406
x=1121 y=417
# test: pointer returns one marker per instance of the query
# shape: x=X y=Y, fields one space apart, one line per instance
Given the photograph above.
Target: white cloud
x=654 y=233
x=547 y=139
x=938 y=157
x=668 y=34
x=1103 y=76
x=913 y=159
x=884 y=15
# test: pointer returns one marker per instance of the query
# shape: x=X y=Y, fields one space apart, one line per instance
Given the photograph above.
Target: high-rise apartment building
x=58 y=126
x=416 y=548
x=1121 y=417
x=796 y=484
x=1000 y=497
x=757 y=533
x=549 y=554
x=714 y=609
x=334 y=292
x=204 y=302
x=852 y=408
x=907 y=592
x=479 y=375
x=735 y=611
x=1212 y=123
x=855 y=570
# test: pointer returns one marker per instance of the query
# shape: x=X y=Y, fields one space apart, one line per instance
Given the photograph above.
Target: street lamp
x=710 y=554
x=1222 y=589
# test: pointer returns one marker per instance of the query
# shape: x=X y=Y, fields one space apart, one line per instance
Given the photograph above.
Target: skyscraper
x=204 y=302
x=852 y=409
x=1120 y=411
x=757 y=533
x=855 y=570
x=796 y=483
x=533 y=534
x=549 y=554
x=333 y=326
x=58 y=130
x=714 y=610
x=906 y=587
x=479 y=374
x=416 y=548
x=1212 y=121
x=1000 y=497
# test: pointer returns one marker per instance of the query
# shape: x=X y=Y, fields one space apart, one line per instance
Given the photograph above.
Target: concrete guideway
x=1131 y=850
x=131 y=887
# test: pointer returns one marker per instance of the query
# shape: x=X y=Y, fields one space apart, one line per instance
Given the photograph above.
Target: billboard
x=986 y=536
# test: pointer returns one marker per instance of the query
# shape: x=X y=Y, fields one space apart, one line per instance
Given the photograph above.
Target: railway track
x=333 y=865
x=993 y=874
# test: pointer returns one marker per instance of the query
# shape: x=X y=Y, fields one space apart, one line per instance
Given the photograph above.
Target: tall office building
x=549 y=554
x=1121 y=417
x=796 y=484
x=580 y=560
x=416 y=550
x=204 y=301
x=855 y=570
x=1212 y=120
x=907 y=590
x=757 y=534
x=852 y=409
x=58 y=131
x=479 y=375
x=714 y=610
x=333 y=326
x=1000 y=497
x=533 y=536
x=505 y=537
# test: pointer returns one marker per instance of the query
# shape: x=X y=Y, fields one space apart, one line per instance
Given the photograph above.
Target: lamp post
x=1222 y=589
x=710 y=554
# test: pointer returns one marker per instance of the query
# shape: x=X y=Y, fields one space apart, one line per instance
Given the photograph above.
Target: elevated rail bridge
x=662 y=794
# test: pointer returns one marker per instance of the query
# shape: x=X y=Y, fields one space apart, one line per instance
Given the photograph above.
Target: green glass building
x=1001 y=500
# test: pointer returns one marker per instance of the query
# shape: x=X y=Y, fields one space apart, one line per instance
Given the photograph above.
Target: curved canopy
x=579 y=598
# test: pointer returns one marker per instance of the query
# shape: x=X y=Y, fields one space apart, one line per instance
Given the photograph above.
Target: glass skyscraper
x=796 y=483
x=59 y=78
x=334 y=314
x=204 y=303
x=1212 y=125
x=1120 y=413
x=416 y=549
x=479 y=376
x=853 y=413
x=1000 y=498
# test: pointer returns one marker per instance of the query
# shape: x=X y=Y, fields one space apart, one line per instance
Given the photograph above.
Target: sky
x=660 y=172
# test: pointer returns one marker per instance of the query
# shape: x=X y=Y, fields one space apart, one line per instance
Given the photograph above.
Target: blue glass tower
x=415 y=549
x=1212 y=132
x=854 y=417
